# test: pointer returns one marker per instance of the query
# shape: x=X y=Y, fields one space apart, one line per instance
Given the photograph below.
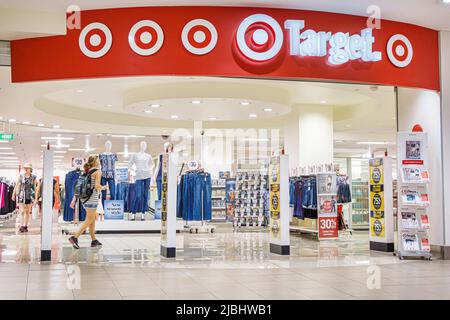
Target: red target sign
x=400 y=51
x=259 y=37
x=199 y=36
x=95 y=40
x=146 y=37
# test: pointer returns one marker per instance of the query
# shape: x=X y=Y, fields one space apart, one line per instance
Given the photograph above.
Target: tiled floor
x=224 y=265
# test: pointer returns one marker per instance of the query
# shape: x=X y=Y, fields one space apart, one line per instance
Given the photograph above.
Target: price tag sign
x=328 y=227
x=77 y=162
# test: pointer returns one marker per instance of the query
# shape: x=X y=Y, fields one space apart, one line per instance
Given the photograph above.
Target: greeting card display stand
x=413 y=220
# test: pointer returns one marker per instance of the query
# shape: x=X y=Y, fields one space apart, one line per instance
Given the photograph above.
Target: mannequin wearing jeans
x=143 y=164
x=108 y=161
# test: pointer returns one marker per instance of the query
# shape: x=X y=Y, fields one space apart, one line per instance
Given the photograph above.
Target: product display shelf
x=413 y=199
x=218 y=200
x=251 y=191
x=360 y=205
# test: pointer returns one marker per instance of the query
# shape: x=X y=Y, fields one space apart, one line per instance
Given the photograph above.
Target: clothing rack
x=203 y=227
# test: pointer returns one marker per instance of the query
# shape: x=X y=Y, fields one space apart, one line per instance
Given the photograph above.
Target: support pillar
x=47 y=208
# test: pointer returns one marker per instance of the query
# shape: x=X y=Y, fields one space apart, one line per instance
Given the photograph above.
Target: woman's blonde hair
x=92 y=160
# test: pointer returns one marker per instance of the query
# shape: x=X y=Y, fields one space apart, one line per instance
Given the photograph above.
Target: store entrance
x=223 y=132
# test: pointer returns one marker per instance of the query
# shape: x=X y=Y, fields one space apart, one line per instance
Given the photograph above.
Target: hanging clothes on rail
x=303 y=196
x=69 y=213
x=194 y=196
x=7 y=204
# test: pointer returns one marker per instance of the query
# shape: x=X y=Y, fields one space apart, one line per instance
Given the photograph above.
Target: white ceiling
x=429 y=13
x=105 y=108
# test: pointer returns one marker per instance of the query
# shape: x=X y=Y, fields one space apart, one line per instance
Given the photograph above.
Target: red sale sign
x=233 y=42
x=328 y=227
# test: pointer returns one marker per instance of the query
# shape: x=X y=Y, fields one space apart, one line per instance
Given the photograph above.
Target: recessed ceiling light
x=12 y=120
x=268 y=109
x=174 y=116
x=26 y=122
x=109 y=105
x=212 y=118
x=196 y=102
x=245 y=103
x=323 y=101
x=41 y=125
x=148 y=111
x=252 y=115
x=446 y=1
x=79 y=91
x=56 y=126
x=155 y=105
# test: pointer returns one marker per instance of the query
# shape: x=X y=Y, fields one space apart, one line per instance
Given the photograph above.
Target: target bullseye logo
x=199 y=36
x=95 y=40
x=259 y=37
x=146 y=37
x=400 y=50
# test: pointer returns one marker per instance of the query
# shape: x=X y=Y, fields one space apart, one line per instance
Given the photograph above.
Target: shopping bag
x=35 y=212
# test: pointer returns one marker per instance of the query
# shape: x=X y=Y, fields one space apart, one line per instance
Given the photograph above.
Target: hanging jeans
x=159 y=186
x=142 y=195
x=112 y=189
x=207 y=193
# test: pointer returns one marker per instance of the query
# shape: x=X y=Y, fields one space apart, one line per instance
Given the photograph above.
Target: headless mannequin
x=144 y=165
x=107 y=161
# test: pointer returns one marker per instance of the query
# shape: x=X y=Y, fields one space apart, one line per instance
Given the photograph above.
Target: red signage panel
x=235 y=42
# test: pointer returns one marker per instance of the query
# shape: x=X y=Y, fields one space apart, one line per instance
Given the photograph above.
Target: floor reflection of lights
x=225 y=248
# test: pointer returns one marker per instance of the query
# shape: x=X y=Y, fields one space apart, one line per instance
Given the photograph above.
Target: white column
x=308 y=136
x=445 y=132
x=47 y=208
x=416 y=106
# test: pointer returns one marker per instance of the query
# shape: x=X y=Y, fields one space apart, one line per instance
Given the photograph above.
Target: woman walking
x=92 y=169
x=26 y=190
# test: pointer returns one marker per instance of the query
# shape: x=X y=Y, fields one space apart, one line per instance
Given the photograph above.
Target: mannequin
x=168 y=148
x=108 y=162
x=144 y=165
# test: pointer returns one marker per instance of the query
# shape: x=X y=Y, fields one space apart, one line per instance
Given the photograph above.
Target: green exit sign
x=6 y=136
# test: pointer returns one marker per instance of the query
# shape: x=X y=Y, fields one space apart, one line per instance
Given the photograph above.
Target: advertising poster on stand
x=274 y=197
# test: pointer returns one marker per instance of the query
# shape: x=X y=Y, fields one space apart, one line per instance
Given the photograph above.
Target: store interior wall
x=416 y=106
x=445 y=121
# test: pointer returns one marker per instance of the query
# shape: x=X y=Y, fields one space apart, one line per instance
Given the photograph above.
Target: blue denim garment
x=70 y=181
x=207 y=194
x=142 y=195
x=112 y=188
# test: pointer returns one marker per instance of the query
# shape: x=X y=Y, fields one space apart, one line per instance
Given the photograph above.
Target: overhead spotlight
x=155 y=105
x=245 y=103
x=196 y=102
